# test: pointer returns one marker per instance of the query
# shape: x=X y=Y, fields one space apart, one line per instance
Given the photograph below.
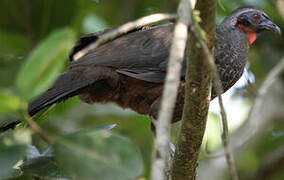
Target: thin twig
x=33 y=125
x=225 y=141
x=219 y=90
x=253 y=123
x=122 y=30
x=267 y=105
x=172 y=81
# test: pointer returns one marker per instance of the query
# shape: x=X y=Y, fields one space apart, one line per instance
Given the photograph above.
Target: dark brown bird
x=130 y=70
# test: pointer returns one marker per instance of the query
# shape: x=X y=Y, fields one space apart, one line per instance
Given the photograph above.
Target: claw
x=172 y=149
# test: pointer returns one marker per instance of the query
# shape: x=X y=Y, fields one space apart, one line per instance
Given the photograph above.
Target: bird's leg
x=153 y=126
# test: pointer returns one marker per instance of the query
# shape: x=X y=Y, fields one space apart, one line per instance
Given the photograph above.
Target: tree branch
x=197 y=97
x=35 y=127
x=172 y=81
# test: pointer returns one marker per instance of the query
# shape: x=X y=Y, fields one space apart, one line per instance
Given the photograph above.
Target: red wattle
x=251 y=37
x=250 y=33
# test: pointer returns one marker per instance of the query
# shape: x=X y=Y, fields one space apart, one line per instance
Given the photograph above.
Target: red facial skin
x=250 y=33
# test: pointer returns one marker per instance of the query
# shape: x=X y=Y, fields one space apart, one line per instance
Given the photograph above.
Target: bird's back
x=141 y=54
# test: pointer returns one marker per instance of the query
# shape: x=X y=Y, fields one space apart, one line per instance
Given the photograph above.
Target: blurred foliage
x=101 y=154
x=35 y=38
x=46 y=68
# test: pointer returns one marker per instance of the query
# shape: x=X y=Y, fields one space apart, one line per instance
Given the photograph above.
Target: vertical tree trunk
x=197 y=97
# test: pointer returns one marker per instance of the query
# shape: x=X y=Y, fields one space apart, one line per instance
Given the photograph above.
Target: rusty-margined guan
x=131 y=69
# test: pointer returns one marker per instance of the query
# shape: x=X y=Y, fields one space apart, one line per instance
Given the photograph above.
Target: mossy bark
x=197 y=97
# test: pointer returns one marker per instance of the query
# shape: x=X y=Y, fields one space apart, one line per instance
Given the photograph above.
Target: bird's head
x=252 y=22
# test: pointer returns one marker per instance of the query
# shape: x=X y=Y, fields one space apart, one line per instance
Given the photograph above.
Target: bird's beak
x=268 y=25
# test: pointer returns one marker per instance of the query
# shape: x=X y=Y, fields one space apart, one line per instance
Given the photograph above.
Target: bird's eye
x=245 y=22
x=256 y=17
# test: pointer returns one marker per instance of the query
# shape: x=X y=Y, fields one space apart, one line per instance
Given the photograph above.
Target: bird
x=130 y=70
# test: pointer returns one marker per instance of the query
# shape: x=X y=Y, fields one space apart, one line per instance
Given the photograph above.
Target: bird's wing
x=141 y=54
x=85 y=41
x=145 y=75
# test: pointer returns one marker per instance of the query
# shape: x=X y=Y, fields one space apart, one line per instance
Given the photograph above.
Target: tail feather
x=9 y=124
x=67 y=85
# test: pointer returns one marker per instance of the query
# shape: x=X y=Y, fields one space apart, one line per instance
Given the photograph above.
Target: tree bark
x=176 y=57
x=197 y=97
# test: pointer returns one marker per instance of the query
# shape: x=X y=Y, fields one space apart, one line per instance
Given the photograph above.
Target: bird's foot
x=147 y=27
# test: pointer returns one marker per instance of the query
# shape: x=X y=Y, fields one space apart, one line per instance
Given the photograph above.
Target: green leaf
x=9 y=102
x=41 y=165
x=13 y=149
x=90 y=130
x=96 y=153
x=9 y=157
x=44 y=63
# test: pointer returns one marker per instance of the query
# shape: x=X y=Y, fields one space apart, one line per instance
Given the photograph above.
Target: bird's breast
x=231 y=54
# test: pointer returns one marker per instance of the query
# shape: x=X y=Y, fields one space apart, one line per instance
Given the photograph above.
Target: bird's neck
x=250 y=34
